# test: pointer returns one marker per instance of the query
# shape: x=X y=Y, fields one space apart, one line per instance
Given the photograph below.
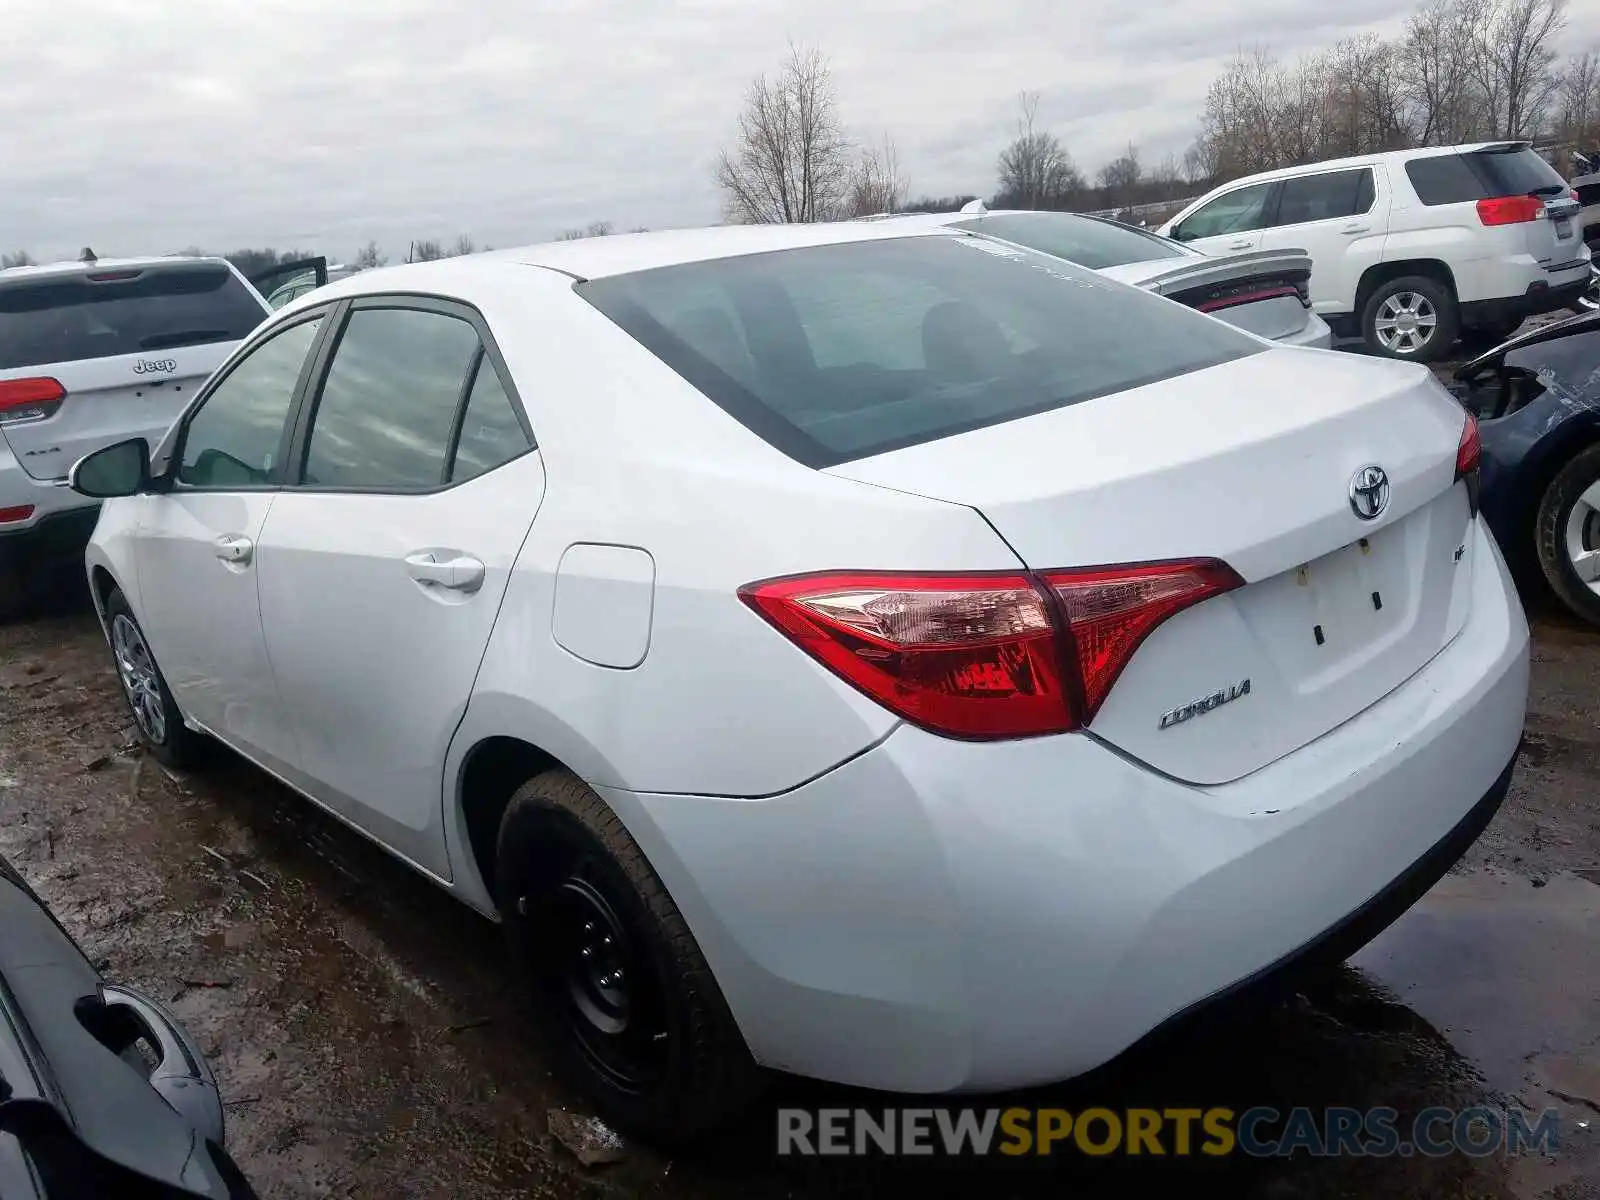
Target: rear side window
x=832 y=353
x=104 y=314
x=1444 y=179
x=1324 y=197
x=490 y=434
x=1083 y=240
x=389 y=402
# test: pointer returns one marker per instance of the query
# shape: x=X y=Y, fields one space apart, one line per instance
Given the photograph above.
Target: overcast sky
x=146 y=126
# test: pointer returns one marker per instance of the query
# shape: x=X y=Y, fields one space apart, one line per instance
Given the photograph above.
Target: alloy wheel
x=140 y=681
x=1406 y=323
x=1582 y=538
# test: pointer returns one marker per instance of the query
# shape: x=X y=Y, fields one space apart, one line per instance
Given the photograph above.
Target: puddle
x=1509 y=973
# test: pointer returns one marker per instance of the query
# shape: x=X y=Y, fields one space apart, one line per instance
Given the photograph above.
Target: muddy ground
x=367 y=1043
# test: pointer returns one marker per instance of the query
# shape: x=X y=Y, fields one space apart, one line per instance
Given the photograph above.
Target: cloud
x=144 y=127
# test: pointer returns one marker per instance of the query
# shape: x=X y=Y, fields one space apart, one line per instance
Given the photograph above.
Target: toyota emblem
x=1369 y=492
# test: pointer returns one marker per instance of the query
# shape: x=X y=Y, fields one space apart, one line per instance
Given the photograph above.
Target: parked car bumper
x=937 y=916
x=1314 y=335
x=44 y=521
x=1562 y=288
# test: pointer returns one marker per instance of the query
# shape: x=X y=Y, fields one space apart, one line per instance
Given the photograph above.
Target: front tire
x=1567 y=535
x=636 y=1019
x=155 y=713
x=1413 y=318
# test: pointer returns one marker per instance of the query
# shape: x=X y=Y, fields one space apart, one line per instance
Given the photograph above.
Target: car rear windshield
x=837 y=352
x=1480 y=174
x=102 y=314
x=1083 y=240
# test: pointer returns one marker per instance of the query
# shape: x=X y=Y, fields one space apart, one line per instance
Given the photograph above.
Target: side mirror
x=121 y=469
x=1179 y=234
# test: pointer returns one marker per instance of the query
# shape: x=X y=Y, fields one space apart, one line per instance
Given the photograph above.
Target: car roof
x=1363 y=160
x=77 y=267
x=618 y=254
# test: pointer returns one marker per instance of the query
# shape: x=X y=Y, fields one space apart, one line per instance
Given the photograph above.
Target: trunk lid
x=1265 y=292
x=1250 y=462
x=108 y=400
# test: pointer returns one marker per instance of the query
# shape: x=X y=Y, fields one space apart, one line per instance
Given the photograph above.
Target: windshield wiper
x=183 y=337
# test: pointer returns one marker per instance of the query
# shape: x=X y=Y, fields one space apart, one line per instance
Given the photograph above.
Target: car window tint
x=387 y=406
x=1444 y=179
x=1516 y=171
x=490 y=431
x=104 y=314
x=1083 y=240
x=233 y=438
x=1237 y=212
x=1320 y=197
x=855 y=349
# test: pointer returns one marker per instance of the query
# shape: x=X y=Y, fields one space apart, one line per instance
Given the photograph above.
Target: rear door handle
x=1351 y=229
x=1244 y=245
x=234 y=548
x=463 y=573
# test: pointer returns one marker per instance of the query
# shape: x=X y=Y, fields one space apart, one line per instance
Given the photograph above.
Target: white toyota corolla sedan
x=899 y=659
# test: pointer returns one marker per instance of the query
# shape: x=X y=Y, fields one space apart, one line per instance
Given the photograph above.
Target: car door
x=1340 y=218
x=198 y=544
x=384 y=560
x=1231 y=222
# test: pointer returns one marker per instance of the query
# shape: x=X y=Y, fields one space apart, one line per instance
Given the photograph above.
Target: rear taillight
x=1510 y=210
x=1469 y=454
x=29 y=399
x=979 y=655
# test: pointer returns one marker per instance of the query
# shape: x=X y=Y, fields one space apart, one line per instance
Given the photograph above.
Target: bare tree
x=425 y=251
x=368 y=257
x=1579 y=119
x=1518 y=54
x=876 y=184
x=790 y=161
x=592 y=229
x=18 y=258
x=1119 y=178
x=463 y=245
x=1436 y=69
x=1035 y=169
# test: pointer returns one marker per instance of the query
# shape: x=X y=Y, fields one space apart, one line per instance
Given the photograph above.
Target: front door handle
x=1244 y=245
x=234 y=548
x=463 y=573
x=1353 y=229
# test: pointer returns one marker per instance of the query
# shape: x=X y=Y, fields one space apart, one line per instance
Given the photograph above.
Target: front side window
x=1324 y=197
x=1242 y=211
x=233 y=438
x=836 y=352
x=389 y=402
x=1083 y=240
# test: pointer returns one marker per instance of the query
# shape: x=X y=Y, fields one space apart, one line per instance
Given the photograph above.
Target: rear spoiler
x=1234 y=268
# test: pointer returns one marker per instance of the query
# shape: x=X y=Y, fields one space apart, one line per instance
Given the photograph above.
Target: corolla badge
x=155 y=366
x=1369 y=492
x=1200 y=707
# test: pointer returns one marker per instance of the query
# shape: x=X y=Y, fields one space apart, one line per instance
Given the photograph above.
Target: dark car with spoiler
x=102 y=1093
x=1265 y=292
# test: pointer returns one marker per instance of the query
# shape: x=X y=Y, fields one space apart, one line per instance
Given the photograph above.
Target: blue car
x=1537 y=399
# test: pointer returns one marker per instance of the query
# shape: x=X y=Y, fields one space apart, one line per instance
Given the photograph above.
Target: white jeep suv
x=1412 y=247
x=93 y=352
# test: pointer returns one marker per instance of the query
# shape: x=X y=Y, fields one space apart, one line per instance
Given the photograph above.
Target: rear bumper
x=937 y=916
x=1560 y=291
x=1313 y=335
x=58 y=525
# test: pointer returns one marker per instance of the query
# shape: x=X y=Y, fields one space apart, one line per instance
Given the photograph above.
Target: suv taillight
x=1469 y=453
x=29 y=399
x=985 y=656
x=1510 y=210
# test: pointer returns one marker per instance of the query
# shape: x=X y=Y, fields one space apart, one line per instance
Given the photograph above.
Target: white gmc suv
x=1411 y=247
x=93 y=352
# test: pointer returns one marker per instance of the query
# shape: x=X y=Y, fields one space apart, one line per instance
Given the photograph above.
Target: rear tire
x=155 y=714
x=635 y=1018
x=1413 y=318
x=1567 y=534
